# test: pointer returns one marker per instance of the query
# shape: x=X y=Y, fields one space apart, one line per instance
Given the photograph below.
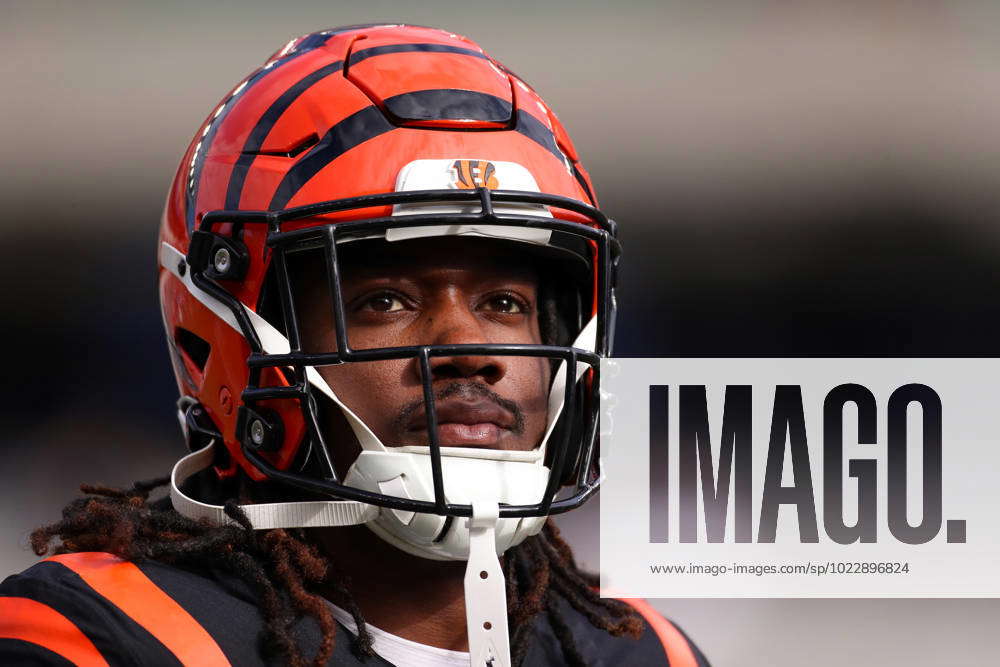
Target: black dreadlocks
x=285 y=570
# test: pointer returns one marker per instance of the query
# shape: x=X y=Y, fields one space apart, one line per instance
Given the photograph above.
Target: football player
x=386 y=289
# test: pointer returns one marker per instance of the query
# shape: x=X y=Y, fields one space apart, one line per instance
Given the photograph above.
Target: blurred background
x=790 y=179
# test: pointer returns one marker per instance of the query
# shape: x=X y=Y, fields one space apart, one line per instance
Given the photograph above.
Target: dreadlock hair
x=279 y=566
x=285 y=570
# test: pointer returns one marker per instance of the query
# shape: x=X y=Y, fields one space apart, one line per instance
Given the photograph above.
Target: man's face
x=435 y=291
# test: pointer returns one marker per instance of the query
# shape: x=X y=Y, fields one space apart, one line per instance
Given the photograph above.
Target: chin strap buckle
x=485 y=591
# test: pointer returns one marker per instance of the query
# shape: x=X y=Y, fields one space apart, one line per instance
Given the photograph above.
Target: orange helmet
x=383 y=132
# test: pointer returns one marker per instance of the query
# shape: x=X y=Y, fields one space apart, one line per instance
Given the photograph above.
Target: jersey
x=96 y=609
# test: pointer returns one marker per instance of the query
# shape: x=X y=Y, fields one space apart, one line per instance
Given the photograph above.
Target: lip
x=466 y=423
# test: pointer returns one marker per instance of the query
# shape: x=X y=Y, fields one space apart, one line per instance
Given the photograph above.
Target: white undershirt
x=403 y=652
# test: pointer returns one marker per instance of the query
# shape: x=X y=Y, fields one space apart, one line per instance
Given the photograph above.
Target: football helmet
x=375 y=134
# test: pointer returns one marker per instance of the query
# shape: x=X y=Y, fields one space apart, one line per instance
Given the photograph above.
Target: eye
x=507 y=304
x=384 y=302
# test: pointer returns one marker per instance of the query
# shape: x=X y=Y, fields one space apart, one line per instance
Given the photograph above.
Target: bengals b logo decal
x=471 y=174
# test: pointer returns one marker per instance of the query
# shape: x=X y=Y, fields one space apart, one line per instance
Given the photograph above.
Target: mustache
x=463 y=390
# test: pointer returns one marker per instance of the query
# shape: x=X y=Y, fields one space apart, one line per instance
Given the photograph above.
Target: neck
x=415 y=598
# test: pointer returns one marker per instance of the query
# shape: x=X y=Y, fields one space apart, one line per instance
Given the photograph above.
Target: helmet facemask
x=567 y=448
x=499 y=458
x=434 y=501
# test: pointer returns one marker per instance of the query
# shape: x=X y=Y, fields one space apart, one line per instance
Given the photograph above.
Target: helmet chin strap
x=263 y=516
x=485 y=591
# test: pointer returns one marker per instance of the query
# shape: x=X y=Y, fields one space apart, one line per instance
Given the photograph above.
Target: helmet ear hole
x=190 y=353
x=195 y=348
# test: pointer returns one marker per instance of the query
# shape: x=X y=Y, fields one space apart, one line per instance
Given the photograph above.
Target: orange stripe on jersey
x=679 y=653
x=131 y=591
x=34 y=622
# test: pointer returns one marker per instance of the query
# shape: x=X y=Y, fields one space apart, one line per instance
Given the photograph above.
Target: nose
x=456 y=324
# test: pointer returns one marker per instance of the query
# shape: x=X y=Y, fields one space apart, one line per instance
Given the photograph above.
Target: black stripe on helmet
x=364 y=54
x=535 y=130
x=583 y=183
x=193 y=174
x=258 y=134
x=449 y=104
x=367 y=124
x=354 y=130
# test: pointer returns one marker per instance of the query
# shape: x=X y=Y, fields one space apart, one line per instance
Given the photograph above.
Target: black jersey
x=95 y=609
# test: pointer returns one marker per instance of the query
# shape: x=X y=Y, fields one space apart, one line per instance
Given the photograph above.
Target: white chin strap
x=263 y=516
x=485 y=591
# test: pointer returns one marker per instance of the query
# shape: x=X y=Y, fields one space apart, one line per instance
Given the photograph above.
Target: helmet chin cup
x=466 y=479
